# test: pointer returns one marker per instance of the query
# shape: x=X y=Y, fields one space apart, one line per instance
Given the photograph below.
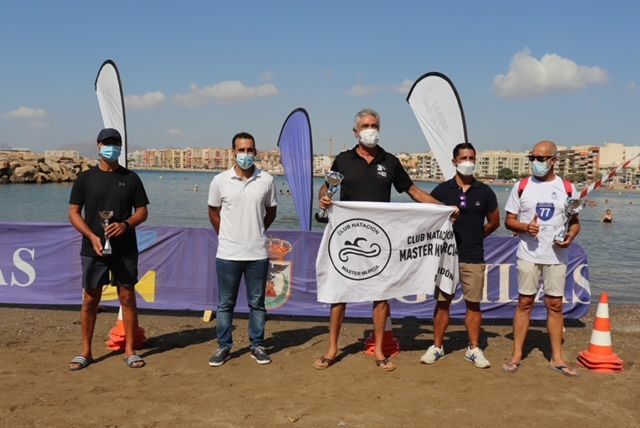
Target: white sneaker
x=475 y=356
x=432 y=355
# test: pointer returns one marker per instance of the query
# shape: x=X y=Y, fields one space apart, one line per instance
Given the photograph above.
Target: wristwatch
x=126 y=225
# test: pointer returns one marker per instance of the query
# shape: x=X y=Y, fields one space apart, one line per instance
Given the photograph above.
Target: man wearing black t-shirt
x=108 y=187
x=369 y=171
x=476 y=201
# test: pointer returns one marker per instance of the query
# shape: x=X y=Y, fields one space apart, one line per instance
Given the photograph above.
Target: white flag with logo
x=378 y=251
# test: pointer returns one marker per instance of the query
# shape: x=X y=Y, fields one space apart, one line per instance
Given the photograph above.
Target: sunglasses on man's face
x=539 y=158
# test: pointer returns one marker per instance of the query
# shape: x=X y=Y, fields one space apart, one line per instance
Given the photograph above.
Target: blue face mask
x=110 y=153
x=245 y=160
x=540 y=169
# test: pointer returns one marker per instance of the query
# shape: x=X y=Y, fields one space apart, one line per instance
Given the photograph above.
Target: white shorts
x=553 y=276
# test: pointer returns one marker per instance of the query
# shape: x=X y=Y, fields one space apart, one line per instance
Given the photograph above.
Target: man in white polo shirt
x=242 y=205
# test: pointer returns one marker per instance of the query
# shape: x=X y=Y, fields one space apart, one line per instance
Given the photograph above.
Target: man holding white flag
x=356 y=249
x=477 y=203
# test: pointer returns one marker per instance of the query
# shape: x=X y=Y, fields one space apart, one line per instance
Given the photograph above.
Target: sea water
x=180 y=199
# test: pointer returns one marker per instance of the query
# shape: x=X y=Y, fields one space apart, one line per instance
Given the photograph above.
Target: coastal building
x=270 y=161
x=61 y=154
x=409 y=162
x=489 y=164
x=579 y=163
x=217 y=159
x=612 y=155
x=322 y=164
x=427 y=167
x=18 y=153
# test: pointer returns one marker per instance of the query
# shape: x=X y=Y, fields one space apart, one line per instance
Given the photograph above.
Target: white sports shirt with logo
x=547 y=199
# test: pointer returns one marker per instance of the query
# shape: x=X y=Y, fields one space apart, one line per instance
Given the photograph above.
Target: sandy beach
x=178 y=387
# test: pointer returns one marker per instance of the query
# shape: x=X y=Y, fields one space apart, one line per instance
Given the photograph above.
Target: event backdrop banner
x=111 y=101
x=296 y=155
x=436 y=104
x=40 y=264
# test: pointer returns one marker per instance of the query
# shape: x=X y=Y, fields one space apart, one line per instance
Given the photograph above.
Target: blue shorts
x=95 y=271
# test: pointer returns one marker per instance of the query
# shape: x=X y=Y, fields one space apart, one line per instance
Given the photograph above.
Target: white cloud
x=267 y=76
x=144 y=102
x=26 y=113
x=404 y=87
x=362 y=90
x=175 y=132
x=528 y=76
x=632 y=86
x=224 y=92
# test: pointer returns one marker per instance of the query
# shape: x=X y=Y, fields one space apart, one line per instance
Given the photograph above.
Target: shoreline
x=620 y=189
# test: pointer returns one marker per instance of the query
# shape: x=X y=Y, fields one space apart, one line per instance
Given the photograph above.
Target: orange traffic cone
x=117 y=338
x=600 y=356
x=390 y=345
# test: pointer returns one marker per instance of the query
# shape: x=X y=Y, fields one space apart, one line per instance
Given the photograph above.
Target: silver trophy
x=333 y=180
x=571 y=207
x=106 y=216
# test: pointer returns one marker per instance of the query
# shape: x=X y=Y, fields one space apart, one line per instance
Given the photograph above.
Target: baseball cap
x=110 y=134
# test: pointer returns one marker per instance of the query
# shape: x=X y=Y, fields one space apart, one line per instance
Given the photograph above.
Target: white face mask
x=369 y=137
x=540 y=169
x=466 y=168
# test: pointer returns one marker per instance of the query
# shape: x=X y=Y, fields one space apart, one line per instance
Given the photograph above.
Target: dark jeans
x=255 y=278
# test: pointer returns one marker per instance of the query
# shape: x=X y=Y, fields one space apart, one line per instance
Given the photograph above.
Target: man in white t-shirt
x=242 y=205
x=535 y=212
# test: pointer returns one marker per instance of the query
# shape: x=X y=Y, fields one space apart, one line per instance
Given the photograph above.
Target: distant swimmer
x=195 y=187
x=608 y=216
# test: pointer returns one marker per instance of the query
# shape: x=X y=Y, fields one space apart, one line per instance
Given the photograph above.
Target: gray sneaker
x=219 y=357
x=260 y=355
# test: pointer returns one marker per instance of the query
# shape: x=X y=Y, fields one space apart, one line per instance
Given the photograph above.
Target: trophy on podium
x=571 y=207
x=106 y=216
x=333 y=180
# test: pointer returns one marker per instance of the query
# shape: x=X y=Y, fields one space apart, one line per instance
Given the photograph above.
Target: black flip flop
x=323 y=363
x=563 y=370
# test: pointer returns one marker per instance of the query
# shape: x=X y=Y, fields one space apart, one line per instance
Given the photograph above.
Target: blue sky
x=195 y=73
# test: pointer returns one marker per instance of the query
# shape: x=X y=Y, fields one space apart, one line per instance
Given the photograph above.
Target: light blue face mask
x=540 y=169
x=245 y=160
x=110 y=153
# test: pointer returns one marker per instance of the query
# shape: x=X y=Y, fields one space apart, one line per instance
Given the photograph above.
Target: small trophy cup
x=572 y=207
x=105 y=216
x=333 y=180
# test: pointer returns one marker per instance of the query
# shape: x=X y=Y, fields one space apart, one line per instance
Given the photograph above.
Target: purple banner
x=296 y=156
x=40 y=264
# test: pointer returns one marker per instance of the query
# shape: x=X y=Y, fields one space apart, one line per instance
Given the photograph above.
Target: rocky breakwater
x=29 y=167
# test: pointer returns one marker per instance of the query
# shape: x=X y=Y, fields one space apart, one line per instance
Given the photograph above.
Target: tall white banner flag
x=378 y=250
x=111 y=100
x=437 y=106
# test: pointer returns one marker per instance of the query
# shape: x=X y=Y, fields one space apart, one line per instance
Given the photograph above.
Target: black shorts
x=95 y=271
